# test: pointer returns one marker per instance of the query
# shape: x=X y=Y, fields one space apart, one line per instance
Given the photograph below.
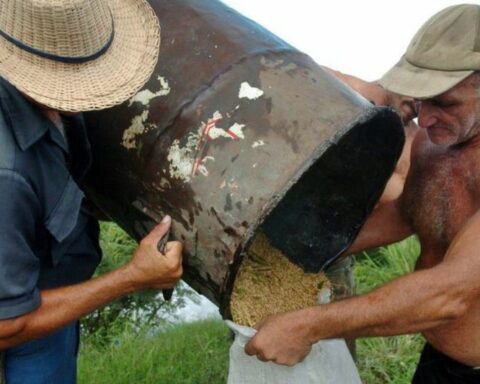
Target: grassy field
x=116 y=350
x=389 y=360
x=194 y=353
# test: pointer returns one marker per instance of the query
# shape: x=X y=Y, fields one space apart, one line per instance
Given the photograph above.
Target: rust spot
x=228 y=203
x=230 y=231
x=217 y=217
x=268 y=104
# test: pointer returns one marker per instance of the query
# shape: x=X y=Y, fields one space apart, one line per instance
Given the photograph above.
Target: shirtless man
x=440 y=203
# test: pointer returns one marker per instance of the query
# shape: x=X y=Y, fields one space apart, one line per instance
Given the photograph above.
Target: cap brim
x=108 y=80
x=421 y=83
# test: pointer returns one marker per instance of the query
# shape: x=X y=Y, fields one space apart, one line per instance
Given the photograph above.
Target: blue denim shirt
x=46 y=239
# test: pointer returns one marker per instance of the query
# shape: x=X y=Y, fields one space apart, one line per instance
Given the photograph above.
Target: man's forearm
x=384 y=226
x=419 y=301
x=61 y=306
x=148 y=269
x=413 y=303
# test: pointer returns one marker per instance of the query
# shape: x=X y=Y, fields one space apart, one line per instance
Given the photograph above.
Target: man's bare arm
x=386 y=225
x=371 y=90
x=148 y=269
x=417 y=302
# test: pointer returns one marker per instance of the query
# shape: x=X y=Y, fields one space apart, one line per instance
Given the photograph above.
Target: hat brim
x=420 y=83
x=108 y=80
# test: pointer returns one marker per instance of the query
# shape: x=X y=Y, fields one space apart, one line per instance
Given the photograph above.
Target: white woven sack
x=329 y=362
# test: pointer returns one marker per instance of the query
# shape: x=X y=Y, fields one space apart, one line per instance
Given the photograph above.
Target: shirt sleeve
x=19 y=266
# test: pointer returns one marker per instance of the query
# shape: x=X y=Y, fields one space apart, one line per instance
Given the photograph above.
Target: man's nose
x=425 y=113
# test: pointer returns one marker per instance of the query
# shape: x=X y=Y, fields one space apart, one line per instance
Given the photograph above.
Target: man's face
x=454 y=116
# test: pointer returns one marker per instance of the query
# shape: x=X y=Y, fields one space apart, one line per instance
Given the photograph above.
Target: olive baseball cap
x=445 y=51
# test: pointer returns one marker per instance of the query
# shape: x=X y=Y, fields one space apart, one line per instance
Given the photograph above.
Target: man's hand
x=60 y=306
x=283 y=339
x=153 y=269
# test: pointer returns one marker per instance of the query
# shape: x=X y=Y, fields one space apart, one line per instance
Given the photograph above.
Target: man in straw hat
x=440 y=202
x=58 y=58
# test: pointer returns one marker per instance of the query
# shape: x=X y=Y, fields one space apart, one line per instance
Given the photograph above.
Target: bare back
x=442 y=192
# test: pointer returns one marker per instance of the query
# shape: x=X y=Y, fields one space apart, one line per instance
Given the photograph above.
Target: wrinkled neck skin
x=53 y=116
x=471 y=138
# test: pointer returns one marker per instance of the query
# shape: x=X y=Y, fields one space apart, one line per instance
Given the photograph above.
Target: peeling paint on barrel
x=137 y=127
x=145 y=96
x=248 y=92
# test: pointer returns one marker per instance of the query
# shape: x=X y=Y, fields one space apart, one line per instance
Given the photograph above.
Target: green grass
x=387 y=360
x=194 y=353
x=197 y=353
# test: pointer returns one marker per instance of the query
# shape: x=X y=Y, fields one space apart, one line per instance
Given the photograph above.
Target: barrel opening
x=321 y=214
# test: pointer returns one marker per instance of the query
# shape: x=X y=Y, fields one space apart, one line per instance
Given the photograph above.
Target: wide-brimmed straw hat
x=78 y=55
x=445 y=51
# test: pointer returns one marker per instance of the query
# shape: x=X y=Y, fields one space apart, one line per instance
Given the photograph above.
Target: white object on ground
x=329 y=362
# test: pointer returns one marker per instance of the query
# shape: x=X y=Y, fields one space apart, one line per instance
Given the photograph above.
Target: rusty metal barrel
x=237 y=132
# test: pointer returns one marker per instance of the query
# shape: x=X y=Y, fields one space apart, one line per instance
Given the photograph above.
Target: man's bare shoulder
x=370 y=90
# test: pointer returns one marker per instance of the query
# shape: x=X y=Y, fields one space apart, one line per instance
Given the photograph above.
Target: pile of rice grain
x=268 y=283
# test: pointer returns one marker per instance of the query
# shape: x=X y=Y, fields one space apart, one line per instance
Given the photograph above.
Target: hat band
x=63 y=59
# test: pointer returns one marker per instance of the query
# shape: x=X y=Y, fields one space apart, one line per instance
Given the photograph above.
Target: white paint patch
x=183 y=164
x=137 y=127
x=237 y=130
x=180 y=161
x=234 y=132
x=216 y=116
x=210 y=126
x=249 y=92
x=215 y=133
x=186 y=162
x=144 y=97
x=258 y=143
x=202 y=168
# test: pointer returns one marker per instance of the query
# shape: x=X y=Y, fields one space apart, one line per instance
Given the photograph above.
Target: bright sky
x=363 y=38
